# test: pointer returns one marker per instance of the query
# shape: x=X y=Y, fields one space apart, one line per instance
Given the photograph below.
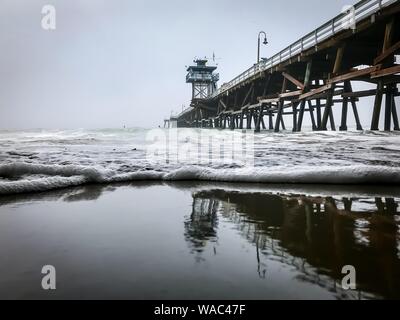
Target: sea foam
x=34 y=177
x=42 y=160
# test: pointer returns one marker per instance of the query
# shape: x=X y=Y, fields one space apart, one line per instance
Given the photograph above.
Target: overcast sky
x=111 y=63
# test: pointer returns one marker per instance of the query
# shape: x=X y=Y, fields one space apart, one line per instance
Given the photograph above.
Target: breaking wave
x=26 y=177
x=40 y=160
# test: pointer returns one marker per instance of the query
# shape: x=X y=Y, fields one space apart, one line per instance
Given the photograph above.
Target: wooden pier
x=309 y=78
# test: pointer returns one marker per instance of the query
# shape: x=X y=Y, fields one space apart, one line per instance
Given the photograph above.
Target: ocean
x=199 y=214
x=38 y=160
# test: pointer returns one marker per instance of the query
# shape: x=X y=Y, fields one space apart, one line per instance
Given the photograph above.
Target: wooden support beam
x=311 y=111
x=389 y=32
x=294 y=106
x=338 y=61
x=219 y=108
x=386 y=72
x=356 y=116
x=267 y=97
x=323 y=95
x=258 y=122
x=307 y=77
x=301 y=113
x=348 y=88
x=248 y=118
x=347 y=91
x=332 y=119
x=255 y=117
x=270 y=121
x=279 y=119
x=245 y=107
x=354 y=74
x=248 y=94
x=283 y=124
x=254 y=106
x=315 y=91
x=395 y=118
x=388 y=109
x=359 y=94
x=290 y=94
x=343 y=123
x=269 y=100
x=327 y=111
x=263 y=123
x=293 y=80
x=387 y=53
x=232 y=122
x=223 y=104
x=319 y=117
x=267 y=85
x=279 y=116
x=377 y=107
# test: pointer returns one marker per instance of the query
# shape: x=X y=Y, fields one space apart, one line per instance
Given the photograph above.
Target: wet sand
x=201 y=241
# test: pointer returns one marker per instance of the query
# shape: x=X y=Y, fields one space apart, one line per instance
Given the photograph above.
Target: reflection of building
x=201 y=227
x=311 y=234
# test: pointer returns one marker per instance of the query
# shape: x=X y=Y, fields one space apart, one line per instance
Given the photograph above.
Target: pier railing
x=343 y=21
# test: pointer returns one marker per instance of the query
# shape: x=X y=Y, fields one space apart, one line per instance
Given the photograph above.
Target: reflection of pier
x=317 y=236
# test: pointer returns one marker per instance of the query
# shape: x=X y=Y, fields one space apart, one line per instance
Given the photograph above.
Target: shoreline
x=39 y=178
x=306 y=189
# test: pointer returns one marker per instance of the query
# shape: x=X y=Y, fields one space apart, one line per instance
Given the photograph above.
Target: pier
x=308 y=78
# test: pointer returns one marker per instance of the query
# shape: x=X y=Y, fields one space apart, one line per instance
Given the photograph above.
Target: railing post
x=316 y=39
x=302 y=44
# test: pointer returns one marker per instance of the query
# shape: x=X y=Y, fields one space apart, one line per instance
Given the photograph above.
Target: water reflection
x=316 y=236
x=202 y=225
x=251 y=241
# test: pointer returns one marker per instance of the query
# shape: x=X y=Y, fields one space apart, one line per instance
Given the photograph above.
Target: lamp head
x=265 y=41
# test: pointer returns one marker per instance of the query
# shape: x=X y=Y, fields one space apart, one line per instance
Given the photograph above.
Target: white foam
x=42 y=184
x=59 y=176
x=321 y=175
x=42 y=160
x=22 y=168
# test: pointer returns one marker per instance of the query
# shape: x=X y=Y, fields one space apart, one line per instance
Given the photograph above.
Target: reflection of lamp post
x=264 y=42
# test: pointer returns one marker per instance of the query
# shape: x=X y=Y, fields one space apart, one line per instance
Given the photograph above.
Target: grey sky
x=111 y=63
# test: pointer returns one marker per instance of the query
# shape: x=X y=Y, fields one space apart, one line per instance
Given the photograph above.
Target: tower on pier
x=203 y=79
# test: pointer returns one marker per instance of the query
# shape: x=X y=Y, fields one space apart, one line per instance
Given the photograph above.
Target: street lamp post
x=264 y=42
